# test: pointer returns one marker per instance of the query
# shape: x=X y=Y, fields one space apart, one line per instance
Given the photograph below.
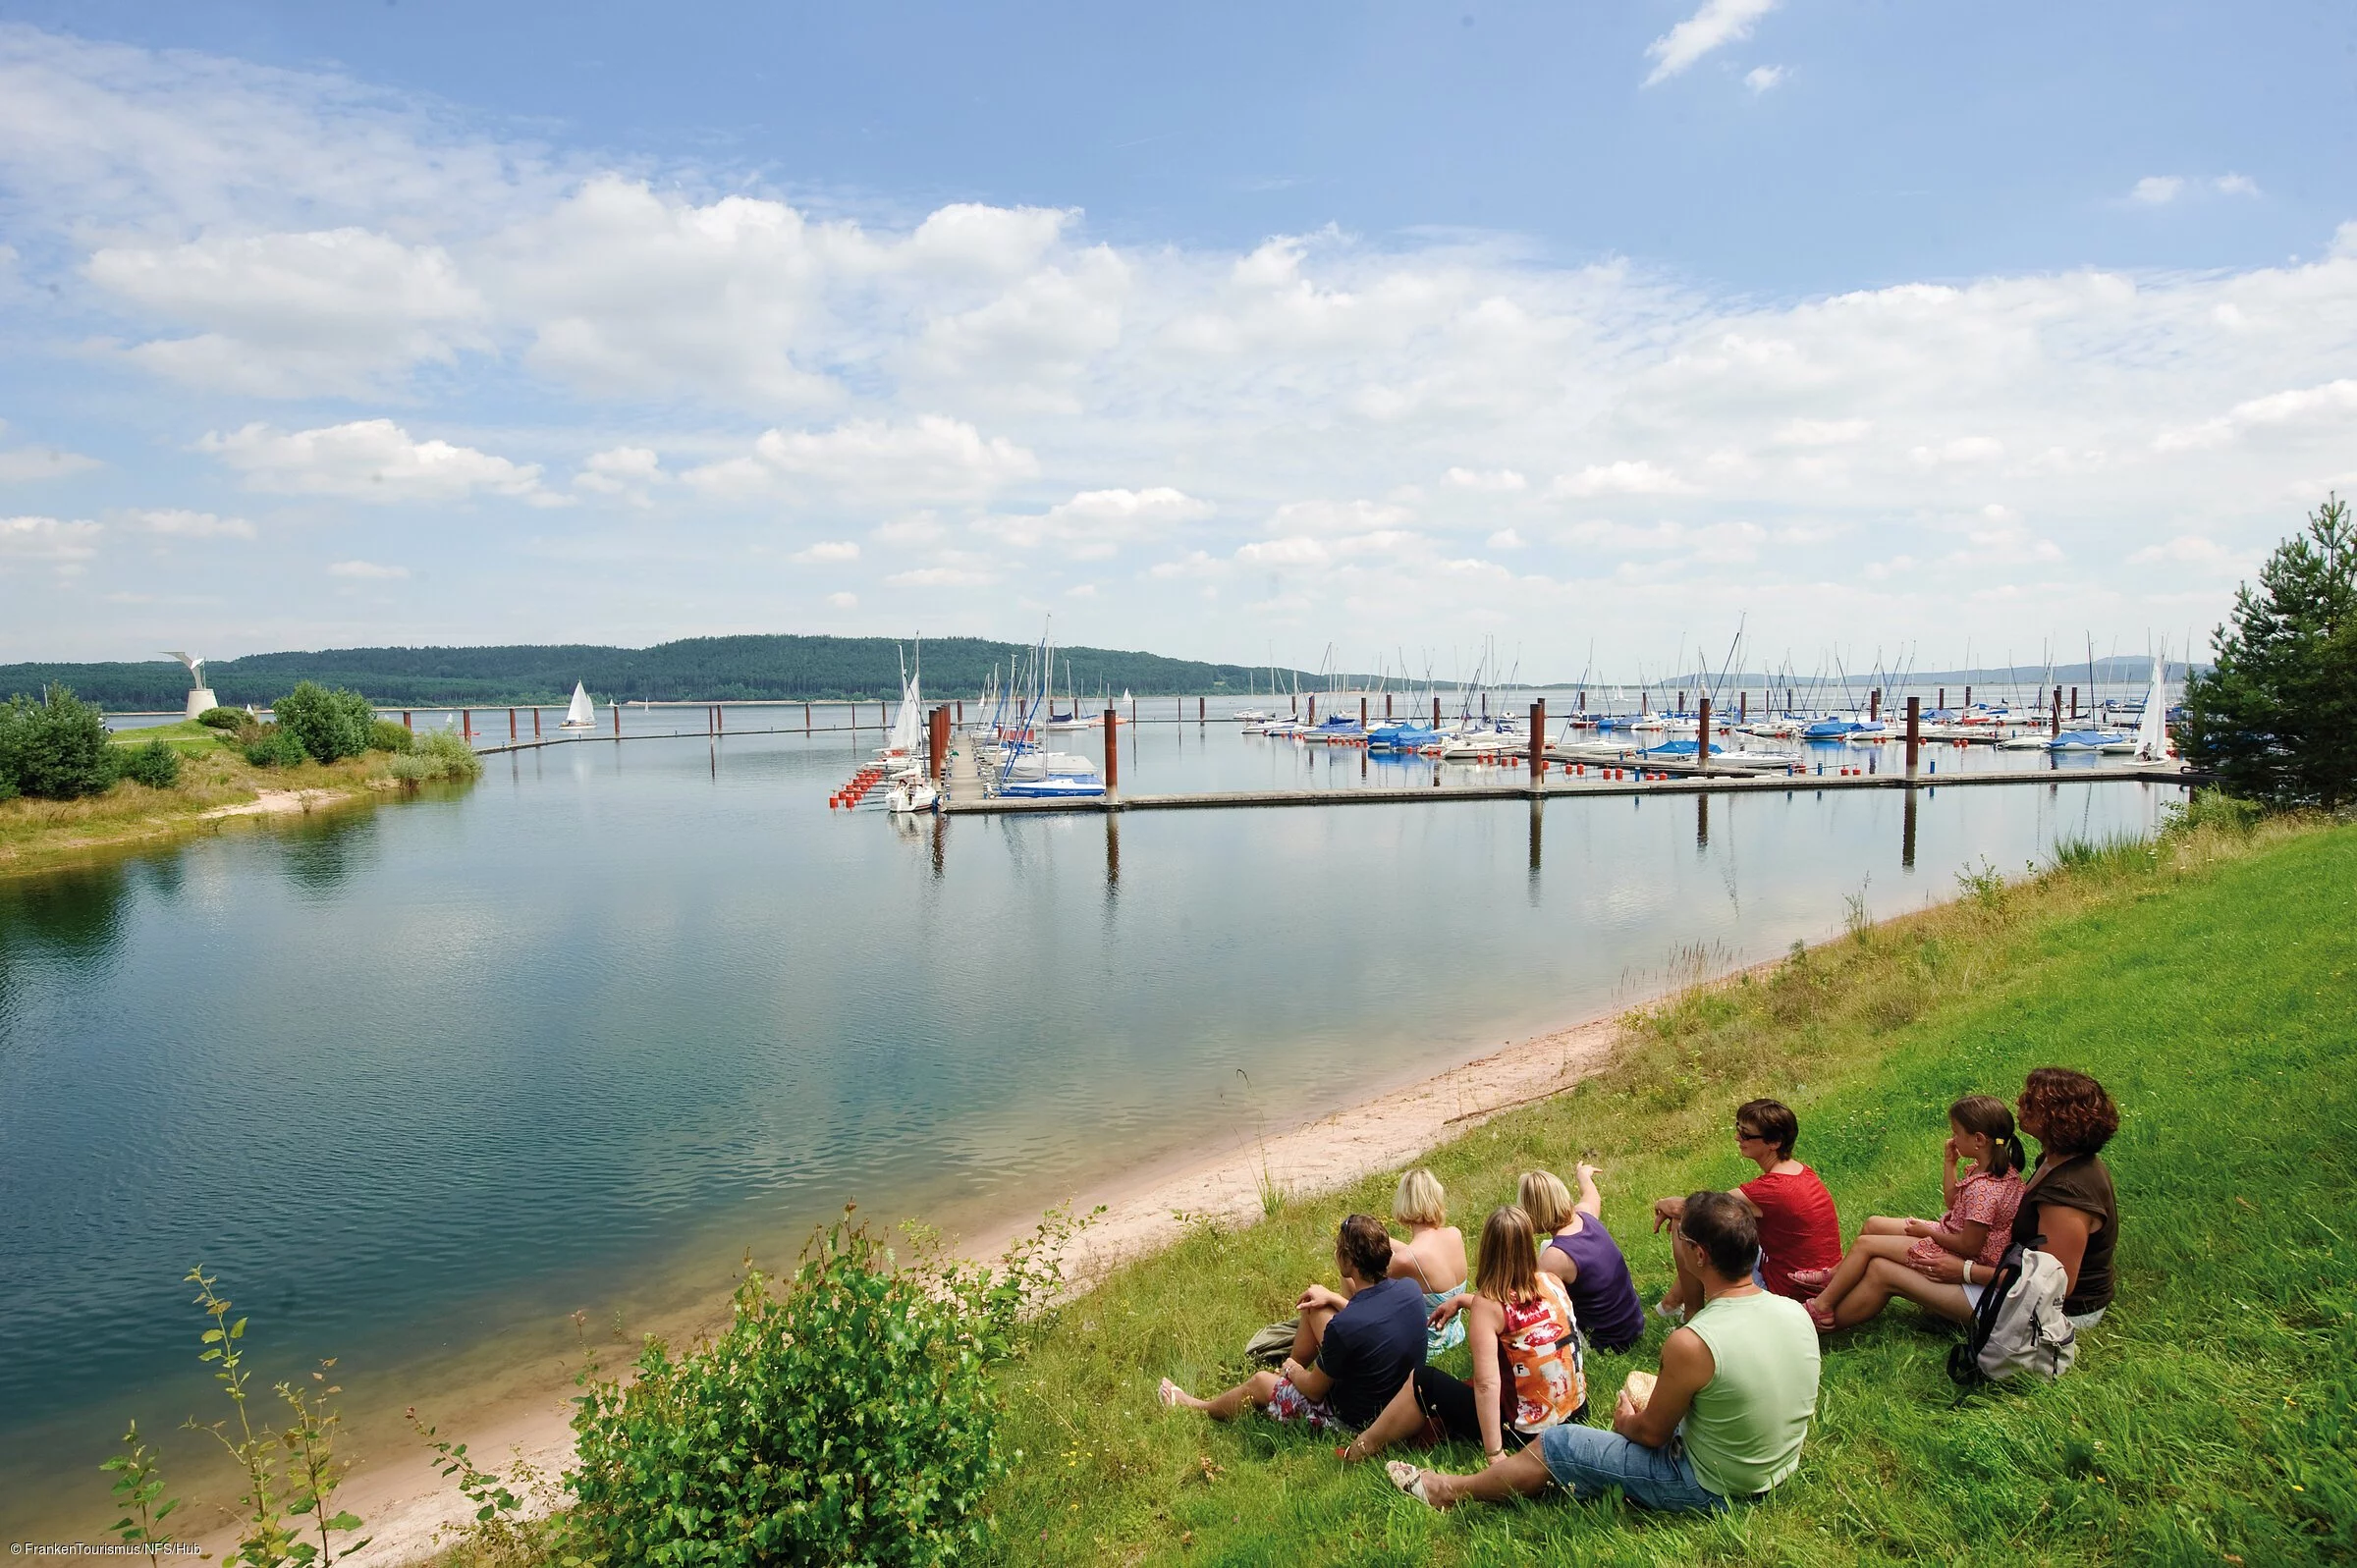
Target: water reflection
x=321 y=853
x=64 y=926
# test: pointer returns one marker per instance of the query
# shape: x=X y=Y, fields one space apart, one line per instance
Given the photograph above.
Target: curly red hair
x=2074 y=1113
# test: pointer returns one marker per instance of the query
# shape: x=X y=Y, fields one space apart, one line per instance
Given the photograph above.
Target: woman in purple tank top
x=1583 y=1255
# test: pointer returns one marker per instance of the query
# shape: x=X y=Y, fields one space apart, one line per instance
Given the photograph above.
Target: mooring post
x=404 y=719
x=937 y=742
x=1681 y=702
x=511 y=727
x=1313 y=707
x=1436 y=712
x=1113 y=756
x=1914 y=731
x=466 y=722
x=2074 y=702
x=2057 y=729
x=1967 y=696
x=535 y=723
x=1743 y=706
x=1386 y=707
x=1873 y=706
x=1702 y=735
x=1537 y=741
x=1298 y=704
x=617 y=719
x=1198 y=710
x=1942 y=703
x=1363 y=713
x=805 y=718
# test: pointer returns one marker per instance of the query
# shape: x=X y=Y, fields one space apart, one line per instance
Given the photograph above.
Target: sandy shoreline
x=408 y=1506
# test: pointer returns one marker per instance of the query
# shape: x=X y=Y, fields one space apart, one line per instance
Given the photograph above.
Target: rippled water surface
x=422 y=1076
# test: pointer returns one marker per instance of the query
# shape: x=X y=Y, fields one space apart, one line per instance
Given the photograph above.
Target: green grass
x=187 y=737
x=2207 y=981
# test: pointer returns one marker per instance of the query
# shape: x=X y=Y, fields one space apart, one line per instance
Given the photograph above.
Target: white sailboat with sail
x=580 y=715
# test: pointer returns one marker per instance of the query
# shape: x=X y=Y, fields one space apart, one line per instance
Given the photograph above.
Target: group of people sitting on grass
x=1759 y=1271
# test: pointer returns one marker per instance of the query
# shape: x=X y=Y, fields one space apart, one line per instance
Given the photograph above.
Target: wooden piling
x=1873 y=706
x=805 y=718
x=937 y=743
x=1363 y=713
x=1942 y=703
x=720 y=717
x=1702 y=737
x=1914 y=731
x=466 y=722
x=535 y=723
x=1743 y=707
x=1198 y=710
x=1386 y=707
x=1113 y=755
x=1436 y=714
x=511 y=727
x=1313 y=707
x=1537 y=741
x=2074 y=702
x=404 y=719
x=617 y=710
x=1967 y=696
x=2057 y=729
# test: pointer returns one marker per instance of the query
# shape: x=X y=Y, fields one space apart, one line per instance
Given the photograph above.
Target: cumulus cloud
x=1759 y=78
x=2330 y=407
x=48 y=539
x=335 y=310
x=843 y=601
x=176 y=524
x=2156 y=189
x=1640 y=478
x=25 y=465
x=1506 y=539
x=827 y=552
x=367 y=570
x=368 y=459
x=1095 y=523
x=2161 y=189
x=628 y=474
x=2188 y=550
x=1957 y=451
x=1716 y=25
x=1492 y=481
x=929 y=458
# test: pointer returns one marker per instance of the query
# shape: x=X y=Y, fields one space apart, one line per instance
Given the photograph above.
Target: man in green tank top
x=1722 y=1425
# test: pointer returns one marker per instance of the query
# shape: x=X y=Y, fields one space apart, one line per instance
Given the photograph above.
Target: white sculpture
x=201 y=695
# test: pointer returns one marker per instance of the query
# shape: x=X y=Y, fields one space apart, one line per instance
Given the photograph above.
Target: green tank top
x=1744 y=1430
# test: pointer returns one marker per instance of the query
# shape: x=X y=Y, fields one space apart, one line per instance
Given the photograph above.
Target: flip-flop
x=1408 y=1478
x=1168 y=1393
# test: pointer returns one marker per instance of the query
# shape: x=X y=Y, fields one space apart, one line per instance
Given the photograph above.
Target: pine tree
x=2276 y=717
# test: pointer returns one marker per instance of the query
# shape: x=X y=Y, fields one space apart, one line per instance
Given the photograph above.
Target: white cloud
x=2186 y=550
x=290 y=315
x=2156 y=189
x=843 y=601
x=368 y=459
x=1095 y=523
x=1957 y=451
x=48 y=539
x=176 y=524
x=944 y=576
x=1718 y=23
x=930 y=459
x=1822 y=432
x=628 y=474
x=1492 y=481
x=23 y=464
x=1081 y=590
x=827 y=552
x=1337 y=516
x=2235 y=185
x=1759 y=78
x=2331 y=409
x=1623 y=479
x=2161 y=189
x=1506 y=539
x=367 y=571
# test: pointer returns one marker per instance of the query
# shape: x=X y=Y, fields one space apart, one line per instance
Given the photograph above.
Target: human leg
x=1684 y=1298
x=1880 y=1244
x=1886 y=1278
x=1589 y=1461
x=1310 y=1334
x=1883 y=1225
x=1521 y=1474
x=1250 y=1395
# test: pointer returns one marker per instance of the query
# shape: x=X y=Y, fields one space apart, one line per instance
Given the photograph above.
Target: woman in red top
x=1798 y=1228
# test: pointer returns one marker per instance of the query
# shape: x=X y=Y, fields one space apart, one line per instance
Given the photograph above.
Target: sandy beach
x=409 y=1509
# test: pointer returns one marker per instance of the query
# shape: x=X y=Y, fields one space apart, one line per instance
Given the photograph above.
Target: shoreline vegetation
x=138 y=788
x=2203 y=975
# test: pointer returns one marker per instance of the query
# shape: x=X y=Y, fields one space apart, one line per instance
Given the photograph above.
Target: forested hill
x=693 y=670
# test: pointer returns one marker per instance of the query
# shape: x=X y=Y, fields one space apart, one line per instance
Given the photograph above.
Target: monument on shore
x=201 y=695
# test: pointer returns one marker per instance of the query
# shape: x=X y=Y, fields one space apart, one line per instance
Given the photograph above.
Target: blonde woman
x=1433 y=1256
x=1528 y=1374
x=1583 y=1254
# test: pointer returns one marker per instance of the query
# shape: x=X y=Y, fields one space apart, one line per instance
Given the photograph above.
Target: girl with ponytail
x=1981 y=1198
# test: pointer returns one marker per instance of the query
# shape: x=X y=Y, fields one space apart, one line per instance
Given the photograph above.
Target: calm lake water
x=426 y=1077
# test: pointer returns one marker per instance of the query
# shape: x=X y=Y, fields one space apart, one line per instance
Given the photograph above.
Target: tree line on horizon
x=741 y=669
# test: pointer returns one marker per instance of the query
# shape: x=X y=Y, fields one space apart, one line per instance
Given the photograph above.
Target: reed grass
x=2205 y=977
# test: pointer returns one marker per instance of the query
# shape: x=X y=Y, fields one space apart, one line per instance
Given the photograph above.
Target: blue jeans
x=1589 y=1460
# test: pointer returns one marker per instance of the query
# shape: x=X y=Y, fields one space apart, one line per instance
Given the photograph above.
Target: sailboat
x=580 y=715
x=2152 y=735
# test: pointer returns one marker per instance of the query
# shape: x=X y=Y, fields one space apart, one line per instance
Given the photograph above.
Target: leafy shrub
x=156 y=764
x=328 y=722
x=2210 y=808
x=850 y=1417
x=55 y=749
x=231 y=718
x=438 y=755
x=386 y=736
x=276 y=747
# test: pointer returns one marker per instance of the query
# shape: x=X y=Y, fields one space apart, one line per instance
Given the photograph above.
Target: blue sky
x=1927 y=327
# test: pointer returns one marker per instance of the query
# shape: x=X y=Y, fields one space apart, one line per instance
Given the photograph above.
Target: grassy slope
x=39 y=835
x=2211 y=1418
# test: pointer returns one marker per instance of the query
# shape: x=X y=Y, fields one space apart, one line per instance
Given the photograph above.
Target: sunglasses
x=1746 y=1134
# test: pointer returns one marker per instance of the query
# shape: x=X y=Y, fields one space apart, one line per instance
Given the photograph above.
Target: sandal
x=1823 y=1319
x=1812 y=1278
x=1408 y=1478
x=1168 y=1393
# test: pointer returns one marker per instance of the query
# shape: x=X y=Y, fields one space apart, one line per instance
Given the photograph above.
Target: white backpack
x=2019 y=1325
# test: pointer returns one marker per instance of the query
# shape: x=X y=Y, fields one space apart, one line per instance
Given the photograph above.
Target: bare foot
x=1173 y=1396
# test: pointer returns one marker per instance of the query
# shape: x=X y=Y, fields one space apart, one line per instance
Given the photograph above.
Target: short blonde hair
x=1420 y=1200
x=1547 y=1201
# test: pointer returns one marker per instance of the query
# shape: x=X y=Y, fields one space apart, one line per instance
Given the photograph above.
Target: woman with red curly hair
x=2069 y=1210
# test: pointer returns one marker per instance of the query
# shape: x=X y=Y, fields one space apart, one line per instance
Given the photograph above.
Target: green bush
x=850 y=1417
x=55 y=749
x=436 y=756
x=156 y=764
x=231 y=718
x=329 y=722
x=276 y=747
x=386 y=736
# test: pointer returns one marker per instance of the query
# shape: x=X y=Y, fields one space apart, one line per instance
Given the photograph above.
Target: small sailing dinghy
x=580 y=715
